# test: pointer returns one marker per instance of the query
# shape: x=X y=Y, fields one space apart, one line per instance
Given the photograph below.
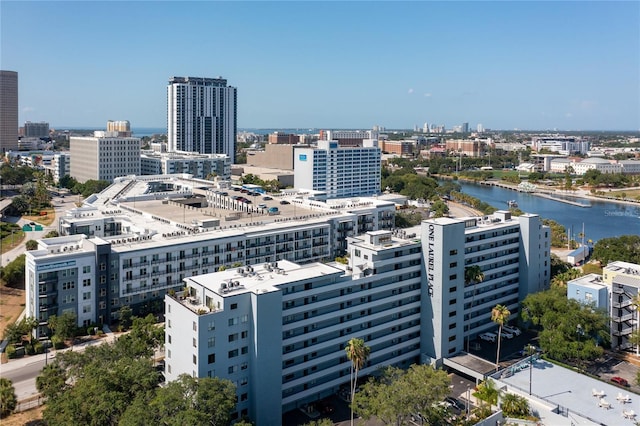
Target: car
x=455 y=403
x=267 y=198
x=513 y=330
x=32 y=223
x=506 y=335
x=283 y=202
x=224 y=194
x=489 y=337
x=262 y=206
x=620 y=381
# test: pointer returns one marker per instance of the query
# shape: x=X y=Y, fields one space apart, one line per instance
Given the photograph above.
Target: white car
x=489 y=337
x=513 y=330
x=506 y=335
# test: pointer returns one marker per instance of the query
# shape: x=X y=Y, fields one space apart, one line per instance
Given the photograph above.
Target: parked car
x=513 y=330
x=489 y=337
x=506 y=335
x=284 y=202
x=267 y=198
x=262 y=206
x=620 y=381
x=455 y=403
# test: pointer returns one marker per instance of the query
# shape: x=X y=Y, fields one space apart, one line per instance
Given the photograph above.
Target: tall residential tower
x=8 y=110
x=201 y=116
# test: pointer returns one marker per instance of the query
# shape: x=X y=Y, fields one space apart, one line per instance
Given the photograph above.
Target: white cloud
x=410 y=91
x=427 y=95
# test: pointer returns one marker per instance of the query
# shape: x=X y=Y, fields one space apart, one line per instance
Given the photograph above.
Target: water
x=601 y=220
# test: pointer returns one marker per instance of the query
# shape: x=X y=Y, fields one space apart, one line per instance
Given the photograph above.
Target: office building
x=565 y=145
x=58 y=166
x=200 y=166
x=480 y=128
x=339 y=171
x=36 y=130
x=465 y=127
x=278 y=330
x=143 y=235
x=402 y=148
x=122 y=127
x=202 y=116
x=283 y=138
x=8 y=111
x=105 y=156
x=467 y=147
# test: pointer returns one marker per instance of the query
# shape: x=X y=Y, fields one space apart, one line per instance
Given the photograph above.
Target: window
x=233 y=337
x=169 y=338
x=86 y=295
x=232 y=369
x=211 y=342
x=453 y=264
x=453 y=252
x=233 y=353
x=244 y=366
x=453 y=277
x=244 y=334
x=195 y=359
x=86 y=269
x=86 y=309
x=234 y=306
x=244 y=350
x=244 y=318
x=195 y=342
x=211 y=358
x=211 y=326
x=195 y=326
x=86 y=282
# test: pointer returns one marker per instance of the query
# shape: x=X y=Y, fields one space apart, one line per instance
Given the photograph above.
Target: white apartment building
x=58 y=166
x=565 y=145
x=278 y=330
x=142 y=236
x=580 y=167
x=339 y=171
x=105 y=156
x=202 y=116
x=200 y=166
x=513 y=253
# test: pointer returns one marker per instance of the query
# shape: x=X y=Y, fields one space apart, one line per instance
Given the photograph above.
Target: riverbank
x=578 y=193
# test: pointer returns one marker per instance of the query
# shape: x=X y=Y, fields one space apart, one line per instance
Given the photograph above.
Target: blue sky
x=527 y=65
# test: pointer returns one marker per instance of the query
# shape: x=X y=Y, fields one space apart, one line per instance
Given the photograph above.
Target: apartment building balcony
x=623 y=318
x=624 y=332
x=625 y=303
x=49 y=307
x=48 y=293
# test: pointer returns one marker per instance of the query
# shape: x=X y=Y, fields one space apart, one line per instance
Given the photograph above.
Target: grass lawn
x=11 y=306
x=42 y=219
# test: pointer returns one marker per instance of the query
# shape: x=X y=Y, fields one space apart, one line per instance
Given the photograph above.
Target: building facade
x=202 y=116
x=338 y=171
x=122 y=127
x=200 y=166
x=278 y=330
x=36 y=130
x=513 y=254
x=352 y=138
x=105 y=156
x=142 y=236
x=8 y=111
x=623 y=280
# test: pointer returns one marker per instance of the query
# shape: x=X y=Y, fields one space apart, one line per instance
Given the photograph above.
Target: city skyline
x=508 y=65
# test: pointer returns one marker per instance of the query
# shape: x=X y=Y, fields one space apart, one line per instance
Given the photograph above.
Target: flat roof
x=573 y=391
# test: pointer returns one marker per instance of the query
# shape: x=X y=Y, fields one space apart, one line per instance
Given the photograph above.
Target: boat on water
x=512 y=204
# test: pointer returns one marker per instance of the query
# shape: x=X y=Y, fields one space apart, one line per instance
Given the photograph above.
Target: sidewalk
x=18 y=363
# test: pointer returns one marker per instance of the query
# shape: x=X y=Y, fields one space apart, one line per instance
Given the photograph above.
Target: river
x=601 y=220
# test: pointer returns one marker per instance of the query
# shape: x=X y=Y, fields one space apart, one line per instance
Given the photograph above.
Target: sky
x=336 y=65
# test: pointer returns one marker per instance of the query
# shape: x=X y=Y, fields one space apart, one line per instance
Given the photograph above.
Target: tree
x=357 y=353
x=13 y=273
x=31 y=245
x=51 y=381
x=63 y=326
x=52 y=234
x=561 y=280
x=397 y=394
x=472 y=274
x=8 y=398
x=125 y=314
x=499 y=315
x=625 y=248
x=487 y=392
x=515 y=406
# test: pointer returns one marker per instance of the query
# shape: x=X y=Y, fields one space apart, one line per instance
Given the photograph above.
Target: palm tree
x=499 y=315
x=515 y=406
x=472 y=275
x=357 y=353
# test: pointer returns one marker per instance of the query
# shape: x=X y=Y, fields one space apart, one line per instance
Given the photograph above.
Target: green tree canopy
x=625 y=248
x=8 y=398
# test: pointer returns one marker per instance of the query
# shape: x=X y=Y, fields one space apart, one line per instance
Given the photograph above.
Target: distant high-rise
x=480 y=128
x=36 y=130
x=201 y=116
x=465 y=127
x=8 y=111
x=122 y=127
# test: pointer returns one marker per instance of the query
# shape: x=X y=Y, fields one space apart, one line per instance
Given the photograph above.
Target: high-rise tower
x=201 y=115
x=8 y=110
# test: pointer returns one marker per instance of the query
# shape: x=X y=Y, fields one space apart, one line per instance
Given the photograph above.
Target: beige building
x=468 y=148
x=104 y=156
x=8 y=111
x=122 y=127
x=274 y=156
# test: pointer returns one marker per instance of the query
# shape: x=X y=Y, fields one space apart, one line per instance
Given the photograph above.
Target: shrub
x=38 y=348
x=91 y=331
x=11 y=352
x=57 y=342
x=100 y=333
x=29 y=349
